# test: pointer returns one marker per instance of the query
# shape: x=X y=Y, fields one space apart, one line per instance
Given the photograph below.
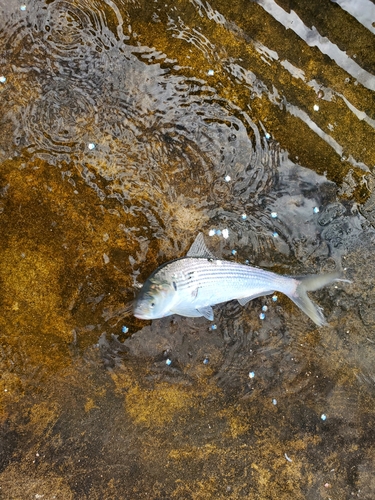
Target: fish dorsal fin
x=199 y=249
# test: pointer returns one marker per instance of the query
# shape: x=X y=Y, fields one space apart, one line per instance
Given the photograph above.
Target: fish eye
x=152 y=304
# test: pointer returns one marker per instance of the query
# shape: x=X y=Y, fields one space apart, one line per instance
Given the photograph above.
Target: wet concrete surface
x=120 y=122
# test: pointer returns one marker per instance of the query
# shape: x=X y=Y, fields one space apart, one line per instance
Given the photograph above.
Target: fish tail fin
x=310 y=284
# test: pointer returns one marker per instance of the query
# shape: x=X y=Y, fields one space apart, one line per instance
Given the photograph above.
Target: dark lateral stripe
x=200 y=272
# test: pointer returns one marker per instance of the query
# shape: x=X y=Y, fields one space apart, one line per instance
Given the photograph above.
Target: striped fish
x=191 y=285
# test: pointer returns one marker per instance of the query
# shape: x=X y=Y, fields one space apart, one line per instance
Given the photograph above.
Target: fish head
x=154 y=300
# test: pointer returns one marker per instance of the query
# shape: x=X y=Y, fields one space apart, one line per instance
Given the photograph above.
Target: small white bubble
x=316 y=107
x=2 y=79
x=105 y=258
x=251 y=374
x=91 y=145
x=316 y=210
x=23 y=7
x=264 y=308
x=262 y=316
x=228 y=178
x=210 y=72
x=213 y=327
x=168 y=361
x=244 y=216
x=218 y=232
x=124 y=329
x=206 y=361
x=274 y=298
x=273 y=215
x=234 y=252
x=225 y=233
x=323 y=416
x=268 y=136
x=211 y=232
x=275 y=235
x=274 y=402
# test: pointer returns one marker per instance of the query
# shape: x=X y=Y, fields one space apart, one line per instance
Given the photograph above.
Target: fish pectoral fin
x=189 y=311
x=199 y=249
x=245 y=300
x=207 y=312
x=193 y=312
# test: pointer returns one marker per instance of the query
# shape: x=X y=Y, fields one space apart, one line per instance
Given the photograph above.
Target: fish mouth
x=140 y=315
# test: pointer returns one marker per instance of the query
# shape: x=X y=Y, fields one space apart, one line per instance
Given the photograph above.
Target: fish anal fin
x=245 y=300
x=199 y=249
x=207 y=312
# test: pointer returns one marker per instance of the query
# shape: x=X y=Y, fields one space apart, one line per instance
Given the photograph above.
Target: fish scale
x=191 y=285
x=204 y=273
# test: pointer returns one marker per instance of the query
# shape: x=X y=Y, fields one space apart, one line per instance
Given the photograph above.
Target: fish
x=191 y=285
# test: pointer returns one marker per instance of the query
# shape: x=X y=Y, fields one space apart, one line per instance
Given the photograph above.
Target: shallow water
x=127 y=127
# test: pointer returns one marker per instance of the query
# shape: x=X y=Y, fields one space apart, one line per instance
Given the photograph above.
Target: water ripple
x=166 y=127
x=77 y=29
x=164 y=141
x=58 y=120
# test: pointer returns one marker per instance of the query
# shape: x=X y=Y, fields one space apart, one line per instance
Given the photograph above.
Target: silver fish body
x=190 y=286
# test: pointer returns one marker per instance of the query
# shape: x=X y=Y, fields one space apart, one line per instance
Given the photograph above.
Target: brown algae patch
x=157 y=406
x=266 y=470
x=30 y=279
x=281 y=467
x=89 y=405
x=156 y=403
x=19 y=482
x=43 y=416
x=237 y=426
x=11 y=389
